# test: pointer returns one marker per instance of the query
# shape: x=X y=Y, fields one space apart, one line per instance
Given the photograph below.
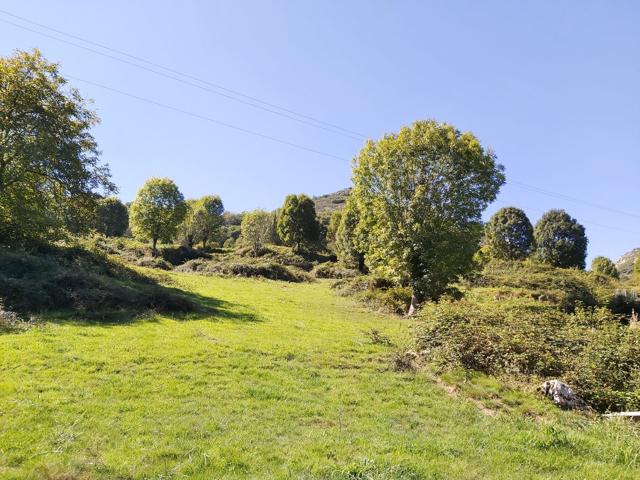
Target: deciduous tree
x=420 y=194
x=605 y=266
x=49 y=161
x=256 y=230
x=112 y=217
x=560 y=240
x=509 y=234
x=157 y=211
x=298 y=225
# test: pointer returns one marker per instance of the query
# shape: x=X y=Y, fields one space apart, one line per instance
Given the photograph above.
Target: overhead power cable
x=209 y=119
x=563 y=196
x=254 y=102
x=259 y=104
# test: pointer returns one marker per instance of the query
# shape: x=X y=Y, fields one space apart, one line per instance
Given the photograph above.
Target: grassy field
x=283 y=381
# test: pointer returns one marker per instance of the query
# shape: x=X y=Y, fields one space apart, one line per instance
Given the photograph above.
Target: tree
x=419 y=195
x=560 y=240
x=157 y=211
x=509 y=234
x=297 y=224
x=350 y=241
x=604 y=266
x=332 y=228
x=207 y=218
x=49 y=161
x=187 y=230
x=256 y=229
x=112 y=217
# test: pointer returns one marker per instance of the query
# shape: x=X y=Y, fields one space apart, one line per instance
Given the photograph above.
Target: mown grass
x=285 y=381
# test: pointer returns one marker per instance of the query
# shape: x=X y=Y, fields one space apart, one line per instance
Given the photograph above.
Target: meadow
x=273 y=380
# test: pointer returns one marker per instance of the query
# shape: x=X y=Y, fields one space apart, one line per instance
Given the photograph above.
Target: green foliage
x=560 y=240
x=333 y=270
x=420 y=194
x=87 y=282
x=112 y=217
x=591 y=349
x=50 y=172
x=565 y=288
x=256 y=230
x=334 y=224
x=604 y=266
x=377 y=293
x=248 y=267
x=207 y=218
x=509 y=234
x=350 y=238
x=297 y=224
x=157 y=211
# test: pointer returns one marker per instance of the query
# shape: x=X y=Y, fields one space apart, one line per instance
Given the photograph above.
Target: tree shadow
x=76 y=285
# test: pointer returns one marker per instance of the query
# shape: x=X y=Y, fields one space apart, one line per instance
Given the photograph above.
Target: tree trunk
x=154 y=250
x=413 y=306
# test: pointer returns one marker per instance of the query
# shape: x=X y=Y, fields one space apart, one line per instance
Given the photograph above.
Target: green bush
x=244 y=268
x=591 y=349
x=333 y=270
x=74 y=278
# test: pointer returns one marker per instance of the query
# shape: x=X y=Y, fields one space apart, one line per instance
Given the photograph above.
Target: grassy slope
x=283 y=383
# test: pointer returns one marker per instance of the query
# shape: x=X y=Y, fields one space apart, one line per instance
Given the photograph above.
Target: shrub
x=255 y=268
x=591 y=348
x=333 y=270
x=604 y=266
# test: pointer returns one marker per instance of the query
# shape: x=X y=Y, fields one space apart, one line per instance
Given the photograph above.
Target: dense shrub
x=181 y=254
x=59 y=278
x=565 y=288
x=378 y=293
x=591 y=349
x=333 y=270
x=509 y=234
x=244 y=268
x=560 y=240
x=604 y=266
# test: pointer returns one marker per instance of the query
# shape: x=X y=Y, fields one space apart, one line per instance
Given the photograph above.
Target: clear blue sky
x=551 y=86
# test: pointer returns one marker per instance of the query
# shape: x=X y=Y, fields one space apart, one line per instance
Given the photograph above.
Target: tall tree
x=256 y=230
x=207 y=218
x=509 y=234
x=49 y=161
x=350 y=238
x=560 y=240
x=112 y=217
x=298 y=225
x=420 y=194
x=157 y=211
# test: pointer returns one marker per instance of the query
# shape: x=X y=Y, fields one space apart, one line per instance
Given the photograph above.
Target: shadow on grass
x=75 y=285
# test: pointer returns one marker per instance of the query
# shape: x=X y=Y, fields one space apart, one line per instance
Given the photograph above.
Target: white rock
x=561 y=394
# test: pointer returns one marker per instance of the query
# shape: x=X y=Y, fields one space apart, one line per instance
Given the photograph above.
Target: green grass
x=283 y=382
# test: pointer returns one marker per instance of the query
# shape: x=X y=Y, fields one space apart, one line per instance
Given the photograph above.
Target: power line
x=209 y=119
x=266 y=106
x=286 y=113
x=587 y=222
x=570 y=198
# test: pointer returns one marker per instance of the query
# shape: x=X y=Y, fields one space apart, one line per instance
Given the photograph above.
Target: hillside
x=282 y=381
x=327 y=204
x=626 y=262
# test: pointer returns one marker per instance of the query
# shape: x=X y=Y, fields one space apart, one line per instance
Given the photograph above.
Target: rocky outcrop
x=561 y=394
x=626 y=262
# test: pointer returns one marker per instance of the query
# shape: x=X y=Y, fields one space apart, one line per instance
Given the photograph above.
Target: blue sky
x=551 y=86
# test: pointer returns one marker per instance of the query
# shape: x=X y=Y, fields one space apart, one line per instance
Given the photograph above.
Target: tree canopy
x=297 y=224
x=49 y=161
x=605 y=266
x=157 y=210
x=420 y=194
x=112 y=217
x=560 y=240
x=509 y=234
x=207 y=218
x=256 y=229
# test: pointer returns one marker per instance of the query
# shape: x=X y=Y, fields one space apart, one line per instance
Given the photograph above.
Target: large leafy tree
x=256 y=230
x=207 y=218
x=560 y=240
x=420 y=194
x=605 y=266
x=297 y=224
x=49 y=161
x=112 y=217
x=509 y=234
x=157 y=210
